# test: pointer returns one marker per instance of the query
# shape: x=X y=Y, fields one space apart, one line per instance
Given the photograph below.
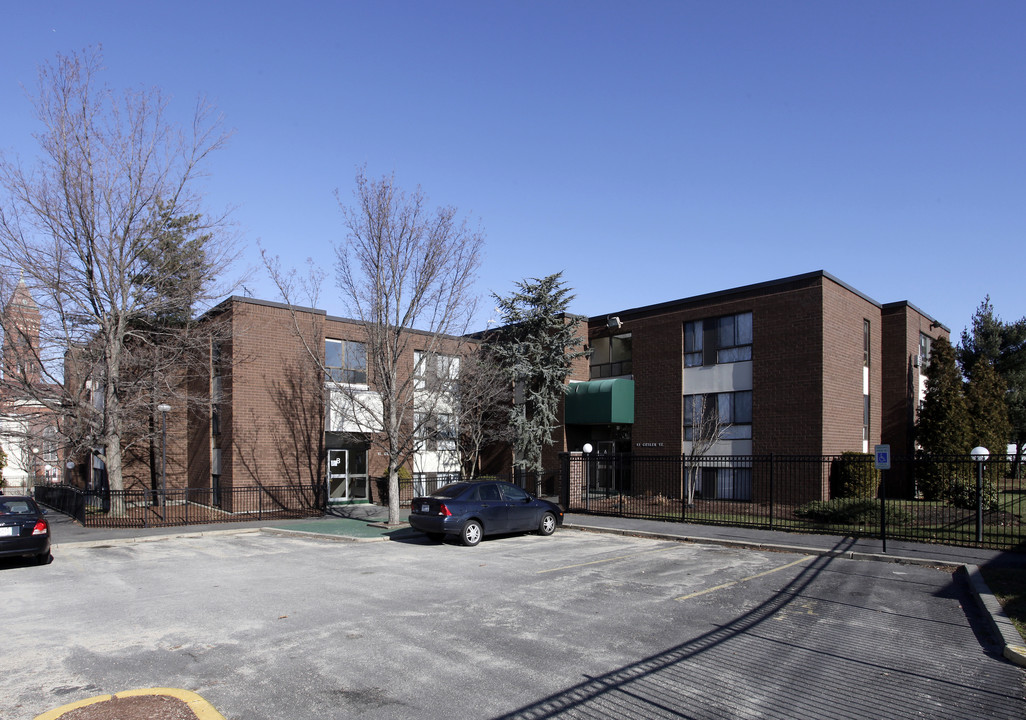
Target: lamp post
x=979 y=455
x=587 y=448
x=35 y=467
x=163 y=409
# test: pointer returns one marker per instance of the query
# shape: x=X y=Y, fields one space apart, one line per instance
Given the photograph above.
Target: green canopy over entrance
x=600 y=402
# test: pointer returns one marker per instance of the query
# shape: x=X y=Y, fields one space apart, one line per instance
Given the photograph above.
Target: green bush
x=851 y=511
x=855 y=477
x=954 y=482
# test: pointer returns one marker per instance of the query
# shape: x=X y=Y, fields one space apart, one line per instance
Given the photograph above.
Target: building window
x=728 y=415
x=434 y=432
x=734 y=338
x=865 y=418
x=433 y=371
x=693 y=343
x=925 y=347
x=725 y=339
x=611 y=356
x=346 y=361
x=865 y=343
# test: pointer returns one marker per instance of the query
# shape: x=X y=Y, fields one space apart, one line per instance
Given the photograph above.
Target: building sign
x=648 y=444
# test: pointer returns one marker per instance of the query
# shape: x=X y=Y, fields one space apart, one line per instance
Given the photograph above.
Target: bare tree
x=483 y=397
x=703 y=428
x=406 y=276
x=105 y=229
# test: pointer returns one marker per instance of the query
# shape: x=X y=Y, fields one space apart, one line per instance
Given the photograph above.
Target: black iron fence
x=188 y=506
x=948 y=500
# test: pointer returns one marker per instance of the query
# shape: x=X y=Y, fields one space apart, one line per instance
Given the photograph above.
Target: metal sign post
x=882 y=462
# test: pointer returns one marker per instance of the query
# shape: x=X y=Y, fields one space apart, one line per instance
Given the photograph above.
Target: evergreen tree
x=537 y=347
x=1004 y=345
x=988 y=414
x=943 y=425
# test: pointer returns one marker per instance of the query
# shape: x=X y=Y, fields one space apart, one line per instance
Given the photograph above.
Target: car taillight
x=40 y=528
x=443 y=510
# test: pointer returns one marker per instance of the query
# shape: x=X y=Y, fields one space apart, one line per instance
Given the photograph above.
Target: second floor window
x=346 y=361
x=724 y=339
x=433 y=371
x=611 y=356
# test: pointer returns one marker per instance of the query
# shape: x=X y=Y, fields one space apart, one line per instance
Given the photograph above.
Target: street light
x=163 y=409
x=980 y=455
x=35 y=467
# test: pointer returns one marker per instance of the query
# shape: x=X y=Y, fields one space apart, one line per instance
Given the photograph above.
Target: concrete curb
x=200 y=707
x=1013 y=649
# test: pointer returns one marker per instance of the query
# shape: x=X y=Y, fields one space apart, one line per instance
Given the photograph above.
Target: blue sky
x=651 y=151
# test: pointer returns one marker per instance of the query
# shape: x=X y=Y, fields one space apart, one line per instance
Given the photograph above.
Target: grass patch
x=1009 y=587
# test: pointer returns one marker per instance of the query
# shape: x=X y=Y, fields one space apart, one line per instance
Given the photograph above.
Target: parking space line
x=604 y=560
x=745 y=579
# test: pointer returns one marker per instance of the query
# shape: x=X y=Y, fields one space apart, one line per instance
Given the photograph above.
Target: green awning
x=600 y=402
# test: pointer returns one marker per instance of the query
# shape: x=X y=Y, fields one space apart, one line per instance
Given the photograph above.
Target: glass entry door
x=347 y=476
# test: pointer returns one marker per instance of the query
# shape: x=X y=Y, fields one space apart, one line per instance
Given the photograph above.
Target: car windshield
x=16 y=507
x=452 y=491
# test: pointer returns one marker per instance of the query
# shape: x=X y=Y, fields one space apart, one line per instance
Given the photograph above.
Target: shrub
x=954 y=482
x=851 y=511
x=855 y=477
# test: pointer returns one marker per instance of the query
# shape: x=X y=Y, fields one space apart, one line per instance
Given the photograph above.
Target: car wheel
x=547 y=526
x=44 y=558
x=436 y=537
x=472 y=533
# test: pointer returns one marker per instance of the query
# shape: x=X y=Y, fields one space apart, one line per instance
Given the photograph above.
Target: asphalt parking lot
x=578 y=625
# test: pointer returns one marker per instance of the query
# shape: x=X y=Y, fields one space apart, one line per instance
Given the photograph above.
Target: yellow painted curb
x=1016 y=653
x=199 y=706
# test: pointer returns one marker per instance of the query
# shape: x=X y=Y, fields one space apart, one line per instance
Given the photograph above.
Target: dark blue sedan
x=472 y=510
x=24 y=530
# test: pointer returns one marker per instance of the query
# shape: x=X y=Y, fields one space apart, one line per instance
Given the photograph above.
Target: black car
x=488 y=507
x=24 y=529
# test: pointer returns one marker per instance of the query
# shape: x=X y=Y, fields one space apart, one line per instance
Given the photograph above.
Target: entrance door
x=347 y=476
x=604 y=481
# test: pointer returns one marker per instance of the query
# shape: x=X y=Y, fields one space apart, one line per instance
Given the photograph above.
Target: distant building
x=28 y=432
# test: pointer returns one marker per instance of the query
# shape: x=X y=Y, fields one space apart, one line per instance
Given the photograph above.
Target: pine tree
x=943 y=425
x=536 y=347
x=988 y=414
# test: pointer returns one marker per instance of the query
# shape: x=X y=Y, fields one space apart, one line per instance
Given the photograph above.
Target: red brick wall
x=844 y=315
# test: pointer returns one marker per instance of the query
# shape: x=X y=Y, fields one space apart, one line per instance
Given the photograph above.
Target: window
x=865 y=418
x=733 y=483
x=433 y=371
x=346 y=361
x=611 y=356
x=725 y=339
x=727 y=414
x=734 y=338
x=925 y=347
x=435 y=432
x=693 y=343
x=865 y=343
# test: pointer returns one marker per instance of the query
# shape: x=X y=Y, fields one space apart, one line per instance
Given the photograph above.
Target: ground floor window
x=726 y=484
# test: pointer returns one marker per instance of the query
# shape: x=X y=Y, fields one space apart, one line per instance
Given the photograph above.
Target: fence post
x=771 y=489
x=686 y=470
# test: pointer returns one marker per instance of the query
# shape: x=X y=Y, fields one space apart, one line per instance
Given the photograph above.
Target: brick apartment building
x=804 y=365
x=274 y=420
